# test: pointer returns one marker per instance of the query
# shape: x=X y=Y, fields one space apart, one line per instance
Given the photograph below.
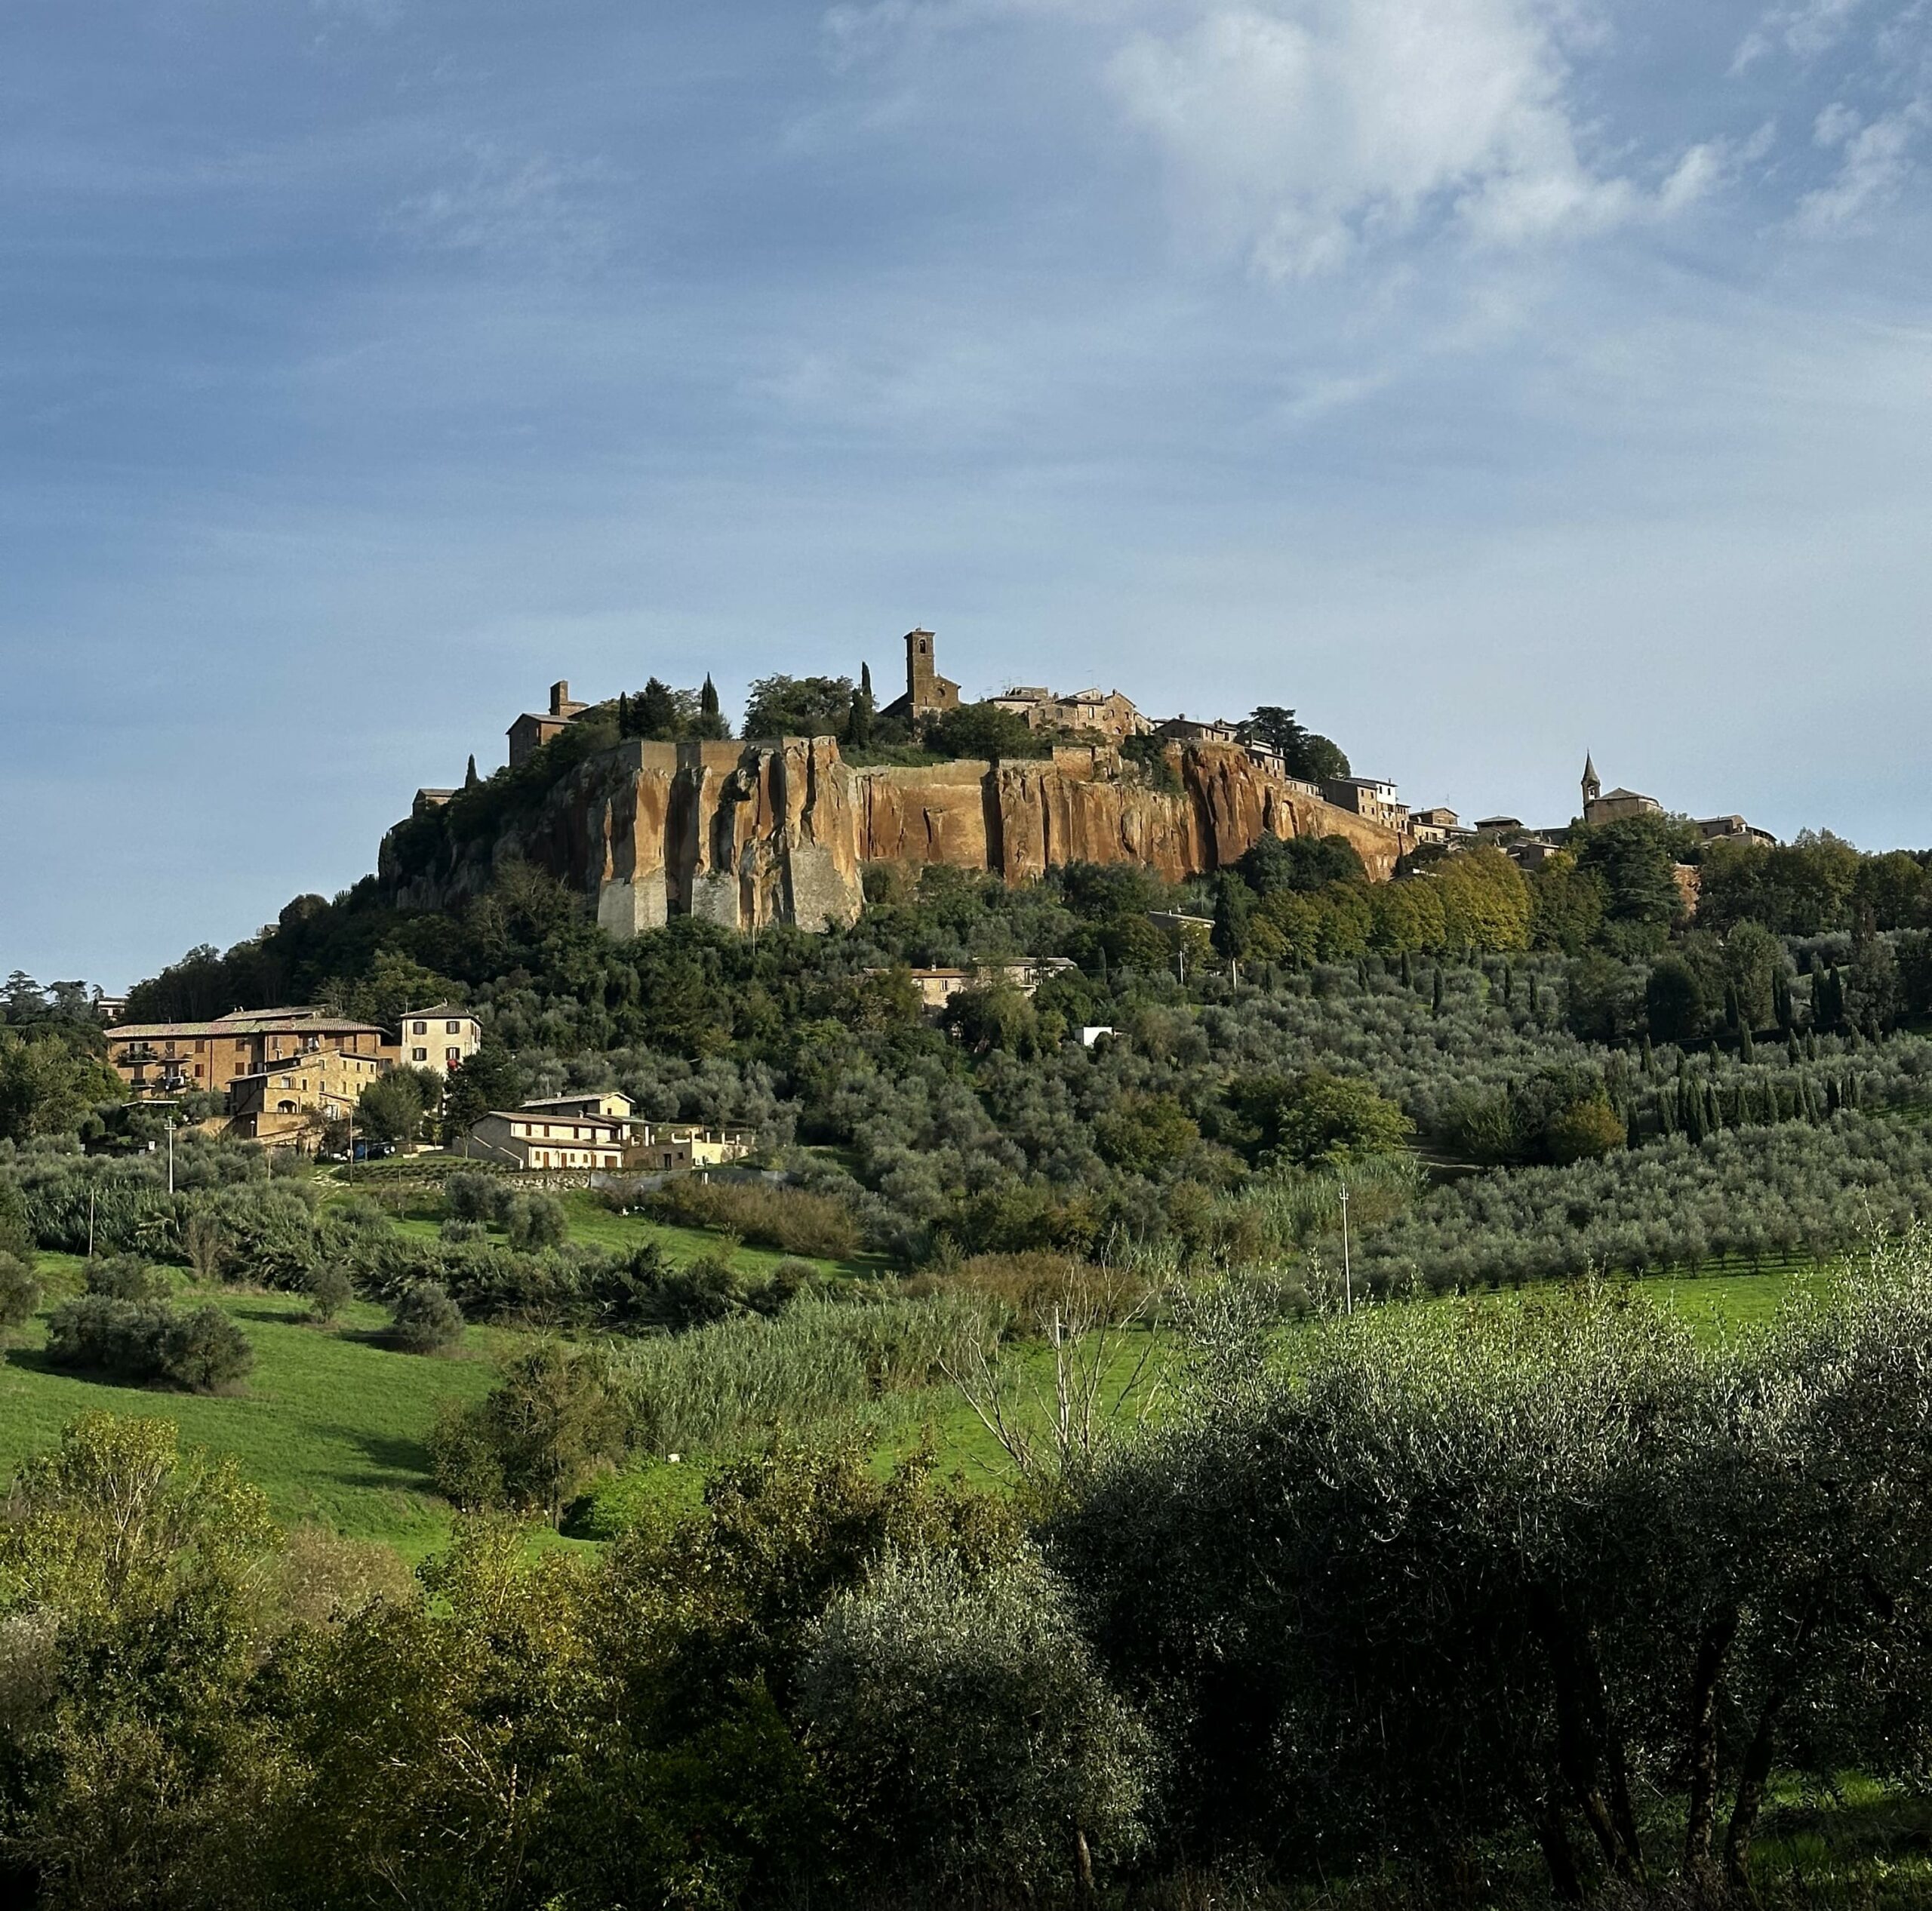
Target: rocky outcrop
x=746 y=834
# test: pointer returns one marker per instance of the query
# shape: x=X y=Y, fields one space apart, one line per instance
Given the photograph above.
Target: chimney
x=560 y=695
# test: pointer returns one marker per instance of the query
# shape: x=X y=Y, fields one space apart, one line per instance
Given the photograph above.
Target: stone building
x=928 y=693
x=1369 y=797
x=1105 y=713
x=286 y=1106
x=532 y=731
x=1613 y=807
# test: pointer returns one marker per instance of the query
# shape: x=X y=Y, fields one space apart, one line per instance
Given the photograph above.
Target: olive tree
x=962 y=1715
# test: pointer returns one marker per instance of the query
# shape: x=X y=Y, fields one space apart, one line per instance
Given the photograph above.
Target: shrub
x=146 y=1340
x=20 y=1293
x=204 y=1352
x=425 y=1320
x=455 y=1230
x=125 y=1277
x=789 y=1219
x=536 y=1221
x=966 y=1712
x=554 y=1421
x=329 y=1290
x=471 y=1197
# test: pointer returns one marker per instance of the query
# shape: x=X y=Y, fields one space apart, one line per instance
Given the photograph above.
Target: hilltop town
x=671 y=816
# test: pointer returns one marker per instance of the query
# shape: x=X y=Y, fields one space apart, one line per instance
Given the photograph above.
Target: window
x=452 y=1056
x=419 y=1054
x=452 y=1028
x=421 y=1028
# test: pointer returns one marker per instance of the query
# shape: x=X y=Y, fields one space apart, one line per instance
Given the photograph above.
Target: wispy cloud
x=526 y=207
x=1876 y=164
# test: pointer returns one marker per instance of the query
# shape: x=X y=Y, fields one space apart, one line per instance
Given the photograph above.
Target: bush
x=790 y=1219
x=20 y=1293
x=471 y=1197
x=329 y=1290
x=146 y=1340
x=425 y=1320
x=967 y=1713
x=536 y=1221
x=555 y=1420
x=204 y=1352
x=125 y=1277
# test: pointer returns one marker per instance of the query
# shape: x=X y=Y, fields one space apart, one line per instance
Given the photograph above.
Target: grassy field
x=593 y=1225
x=332 y=1425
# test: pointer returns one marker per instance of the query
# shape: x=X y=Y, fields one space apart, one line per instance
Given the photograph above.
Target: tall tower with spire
x=1593 y=783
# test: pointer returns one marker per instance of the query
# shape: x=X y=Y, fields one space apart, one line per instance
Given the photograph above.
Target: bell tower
x=1593 y=783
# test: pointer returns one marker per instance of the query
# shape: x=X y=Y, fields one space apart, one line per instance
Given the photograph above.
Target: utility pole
x=1347 y=1283
x=170 y=1151
x=91 y=1223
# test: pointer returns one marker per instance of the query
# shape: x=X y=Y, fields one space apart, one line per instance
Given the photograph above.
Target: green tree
x=488 y=1079
x=20 y=1294
x=1673 y=1005
x=48 y=1085
x=1311 y=757
x=425 y=1320
x=1146 y=1133
x=555 y=1419
x=1635 y=858
x=1313 y=1117
x=965 y=1712
x=780 y=706
x=983 y=731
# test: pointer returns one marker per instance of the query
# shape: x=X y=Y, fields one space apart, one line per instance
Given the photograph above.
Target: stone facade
x=749 y=834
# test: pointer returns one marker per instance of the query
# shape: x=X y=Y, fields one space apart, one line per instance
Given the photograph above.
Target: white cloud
x=1805 y=31
x=523 y=206
x=1300 y=129
x=1877 y=162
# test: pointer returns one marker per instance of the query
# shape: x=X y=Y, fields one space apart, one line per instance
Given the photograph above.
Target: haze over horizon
x=1489 y=381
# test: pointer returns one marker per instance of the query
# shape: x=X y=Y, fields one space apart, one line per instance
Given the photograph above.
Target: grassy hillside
x=334 y=1425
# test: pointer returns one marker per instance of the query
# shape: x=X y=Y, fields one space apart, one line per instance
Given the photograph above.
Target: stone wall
x=746 y=834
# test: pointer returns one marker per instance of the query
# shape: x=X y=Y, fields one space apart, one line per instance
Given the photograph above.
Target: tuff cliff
x=747 y=834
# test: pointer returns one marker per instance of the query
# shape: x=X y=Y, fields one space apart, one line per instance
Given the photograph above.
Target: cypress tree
x=1746 y=1048
x=1508 y=985
x=1648 y=1055
x=1781 y=1002
x=865 y=681
x=623 y=713
x=1408 y=971
x=707 y=697
x=858 y=724
x=1435 y=1006
x=470 y=778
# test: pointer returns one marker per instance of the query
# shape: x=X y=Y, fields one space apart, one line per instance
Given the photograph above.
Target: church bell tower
x=1592 y=785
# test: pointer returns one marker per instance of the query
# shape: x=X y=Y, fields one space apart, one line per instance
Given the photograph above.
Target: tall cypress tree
x=1435 y=1003
x=470 y=778
x=623 y=713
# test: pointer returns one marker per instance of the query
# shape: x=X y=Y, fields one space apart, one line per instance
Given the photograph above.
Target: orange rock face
x=747 y=834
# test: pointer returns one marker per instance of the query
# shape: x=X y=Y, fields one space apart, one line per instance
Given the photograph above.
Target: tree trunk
x=1701 y=1739
x=1757 y=1769
x=1083 y=1860
x=1553 y=1835
x=1586 y=1748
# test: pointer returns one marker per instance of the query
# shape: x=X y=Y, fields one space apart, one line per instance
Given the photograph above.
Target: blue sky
x=1487 y=379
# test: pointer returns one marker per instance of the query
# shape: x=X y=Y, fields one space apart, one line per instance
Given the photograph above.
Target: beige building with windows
x=286 y=1106
x=438 y=1038
x=540 y=1138
x=667 y=1147
x=167 y=1058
